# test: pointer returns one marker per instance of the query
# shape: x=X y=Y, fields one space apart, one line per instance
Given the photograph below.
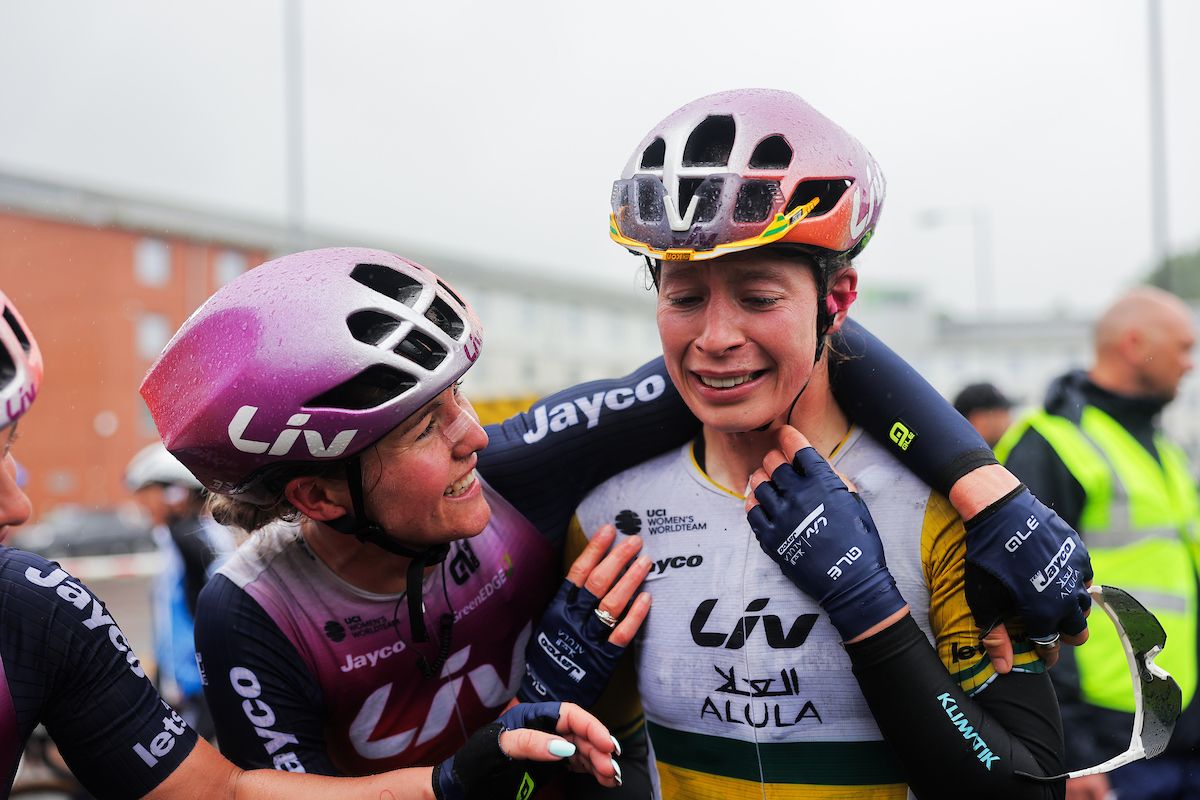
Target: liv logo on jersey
x=287 y=437
x=742 y=629
x=1045 y=576
x=566 y=415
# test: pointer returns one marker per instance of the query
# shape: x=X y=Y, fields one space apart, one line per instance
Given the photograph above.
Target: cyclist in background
x=65 y=662
x=193 y=545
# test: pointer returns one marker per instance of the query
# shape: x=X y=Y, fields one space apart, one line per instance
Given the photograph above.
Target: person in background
x=65 y=662
x=1097 y=455
x=986 y=408
x=193 y=546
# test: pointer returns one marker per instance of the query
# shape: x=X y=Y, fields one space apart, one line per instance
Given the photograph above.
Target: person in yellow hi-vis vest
x=1095 y=453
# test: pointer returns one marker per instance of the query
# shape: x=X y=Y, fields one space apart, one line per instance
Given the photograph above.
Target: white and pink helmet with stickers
x=20 y=364
x=743 y=169
x=312 y=357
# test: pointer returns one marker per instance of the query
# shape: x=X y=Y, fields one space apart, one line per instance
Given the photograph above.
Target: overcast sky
x=495 y=129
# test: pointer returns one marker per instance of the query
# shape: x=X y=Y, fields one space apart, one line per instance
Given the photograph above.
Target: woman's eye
x=761 y=301
x=684 y=301
x=429 y=429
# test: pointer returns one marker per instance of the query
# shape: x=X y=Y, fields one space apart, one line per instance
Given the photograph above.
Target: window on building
x=152 y=262
x=230 y=264
x=152 y=333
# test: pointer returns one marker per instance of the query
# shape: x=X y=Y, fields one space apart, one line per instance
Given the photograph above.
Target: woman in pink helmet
x=65 y=663
x=382 y=609
x=788 y=658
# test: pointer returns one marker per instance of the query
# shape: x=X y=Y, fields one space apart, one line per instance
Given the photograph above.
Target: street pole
x=1158 y=145
x=293 y=79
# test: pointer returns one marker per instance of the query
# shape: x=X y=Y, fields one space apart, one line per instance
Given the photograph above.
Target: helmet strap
x=361 y=527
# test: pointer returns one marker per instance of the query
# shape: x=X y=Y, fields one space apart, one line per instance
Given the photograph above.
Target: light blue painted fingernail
x=561 y=748
x=616 y=744
x=617 y=769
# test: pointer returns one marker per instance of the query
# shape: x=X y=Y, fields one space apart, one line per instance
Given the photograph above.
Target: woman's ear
x=843 y=291
x=320 y=499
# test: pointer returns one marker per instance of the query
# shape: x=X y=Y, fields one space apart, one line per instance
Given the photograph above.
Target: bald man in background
x=1096 y=455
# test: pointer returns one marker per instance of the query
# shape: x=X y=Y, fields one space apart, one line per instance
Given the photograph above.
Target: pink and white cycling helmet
x=312 y=357
x=743 y=169
x=20 y=365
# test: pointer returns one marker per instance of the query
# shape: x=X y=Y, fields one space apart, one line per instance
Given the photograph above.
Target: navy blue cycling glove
x=1021 y=546
x=823 y=538
x=480 y=769
x=569 y=657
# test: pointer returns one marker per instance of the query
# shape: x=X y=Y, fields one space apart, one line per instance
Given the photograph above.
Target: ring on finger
x=608 y=620
x=1049 y=643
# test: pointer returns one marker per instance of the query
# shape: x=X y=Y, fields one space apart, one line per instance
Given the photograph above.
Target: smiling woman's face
x=15 y=507
x=739 y=335
x=420 y=480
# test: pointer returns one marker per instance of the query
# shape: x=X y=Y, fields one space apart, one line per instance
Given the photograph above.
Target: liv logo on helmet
x=875 y=191
x=287 y=437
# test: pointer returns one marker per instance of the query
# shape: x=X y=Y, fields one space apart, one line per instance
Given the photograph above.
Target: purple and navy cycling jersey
x=306 y=672
x=64 y=662
x=353 y=650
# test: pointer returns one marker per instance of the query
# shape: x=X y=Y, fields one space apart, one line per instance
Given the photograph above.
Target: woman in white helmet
x=192 y=545
x=759 y=672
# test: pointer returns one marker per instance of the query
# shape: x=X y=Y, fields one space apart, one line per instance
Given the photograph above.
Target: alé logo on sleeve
x=566 y=415
x=287 y=437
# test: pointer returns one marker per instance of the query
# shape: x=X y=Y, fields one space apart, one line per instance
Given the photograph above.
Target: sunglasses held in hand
x=1157 y=698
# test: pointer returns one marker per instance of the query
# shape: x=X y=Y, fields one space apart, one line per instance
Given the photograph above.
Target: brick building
x=104 y=280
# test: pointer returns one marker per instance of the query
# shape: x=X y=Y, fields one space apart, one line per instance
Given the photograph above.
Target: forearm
x=941 y=736
x=978 y=489
x=205 y=774
x=401 y=784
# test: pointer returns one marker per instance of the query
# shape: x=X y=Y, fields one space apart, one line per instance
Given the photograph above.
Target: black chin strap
x=360 y=526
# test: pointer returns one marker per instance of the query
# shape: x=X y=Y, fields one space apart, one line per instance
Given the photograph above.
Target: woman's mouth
x=461 y=487
x=728 y=381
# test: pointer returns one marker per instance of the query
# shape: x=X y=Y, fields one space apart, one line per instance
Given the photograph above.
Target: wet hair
x=251 y=517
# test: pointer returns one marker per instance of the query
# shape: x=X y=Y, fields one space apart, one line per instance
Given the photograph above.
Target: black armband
x=952 y=745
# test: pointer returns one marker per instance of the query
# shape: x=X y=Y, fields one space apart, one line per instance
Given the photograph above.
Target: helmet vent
x=650 y=207
x=371 y=327
x=440 y=314
x=452 y=293
x=772 y=152
x=710 y=144
x=388 y=282
x=755 y=200
x=828 y=192
x=655 y=154
x=22 y=337
x=421 y=350
x=370 y=388
x=707 y=192
x=8 y=368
